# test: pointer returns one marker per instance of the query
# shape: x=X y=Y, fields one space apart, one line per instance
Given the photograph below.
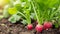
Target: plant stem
x=28 y=17
x=22 y=14
x=38 y=18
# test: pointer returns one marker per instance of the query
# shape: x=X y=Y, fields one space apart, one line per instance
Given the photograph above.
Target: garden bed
x=8 y=28
x=30 y=17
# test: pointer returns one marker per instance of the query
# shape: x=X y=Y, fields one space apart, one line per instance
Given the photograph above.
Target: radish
x=29 y=26
x=47 y=25
x=28 y=19
x=39 y=28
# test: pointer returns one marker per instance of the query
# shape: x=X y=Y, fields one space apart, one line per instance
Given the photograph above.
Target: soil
x=18 y=28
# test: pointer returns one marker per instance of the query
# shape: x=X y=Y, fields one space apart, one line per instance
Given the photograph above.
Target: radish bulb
x=29 y=26
x=47 y=25
x=39 y=28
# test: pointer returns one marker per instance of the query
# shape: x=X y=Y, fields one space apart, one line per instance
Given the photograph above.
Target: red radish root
x=29 y=26
x=39 y=28
x=47 y=25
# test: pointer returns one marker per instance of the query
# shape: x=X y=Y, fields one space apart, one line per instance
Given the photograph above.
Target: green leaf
x=12 y=10
x=33 y=16
x=18 y=7
x=24 y=22
x=14 y=18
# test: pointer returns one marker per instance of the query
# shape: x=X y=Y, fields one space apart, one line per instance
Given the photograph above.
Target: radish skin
x=39 y=28
x=29 y=26
x=47 y=25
